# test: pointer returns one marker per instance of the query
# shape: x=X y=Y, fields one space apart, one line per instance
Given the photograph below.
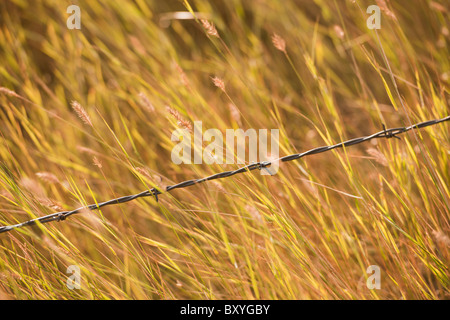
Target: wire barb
x=390 y=133
x=61 y=217
x=386 y=133
x=155 y=193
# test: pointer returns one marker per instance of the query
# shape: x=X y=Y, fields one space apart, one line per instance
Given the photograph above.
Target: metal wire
x=385 y=133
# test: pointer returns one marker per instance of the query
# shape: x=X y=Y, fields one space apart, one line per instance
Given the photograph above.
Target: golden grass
x=308 y=232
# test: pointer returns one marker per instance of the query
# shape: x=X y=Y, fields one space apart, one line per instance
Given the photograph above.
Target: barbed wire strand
x=385 y=133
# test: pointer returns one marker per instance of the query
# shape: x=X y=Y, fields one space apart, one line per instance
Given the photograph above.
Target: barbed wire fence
x=385 y=133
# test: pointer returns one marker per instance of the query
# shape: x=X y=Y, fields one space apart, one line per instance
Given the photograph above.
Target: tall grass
x=87 y=115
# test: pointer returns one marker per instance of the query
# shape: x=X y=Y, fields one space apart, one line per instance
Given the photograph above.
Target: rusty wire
x=385 y=133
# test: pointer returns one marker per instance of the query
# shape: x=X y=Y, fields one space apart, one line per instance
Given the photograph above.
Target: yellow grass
x=87 y=115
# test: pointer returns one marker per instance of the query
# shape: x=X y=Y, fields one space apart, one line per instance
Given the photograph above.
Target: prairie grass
x=87 y=115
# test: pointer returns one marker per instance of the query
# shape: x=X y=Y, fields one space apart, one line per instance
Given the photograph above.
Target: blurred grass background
x=308 y=232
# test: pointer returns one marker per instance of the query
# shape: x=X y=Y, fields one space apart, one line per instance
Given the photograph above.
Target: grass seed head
x=378 y=156
x=181 y=122
x=47 y=177
x=97 y=162
x=219 y=83
x=145 y=102
x=210 y=28
x=9 y=92
x=81 y=112
x=279 y=43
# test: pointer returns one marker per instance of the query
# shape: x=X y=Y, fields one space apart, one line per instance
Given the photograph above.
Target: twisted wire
x=385 y=133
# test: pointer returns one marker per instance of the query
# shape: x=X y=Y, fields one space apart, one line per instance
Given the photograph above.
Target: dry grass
x=309 y=232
